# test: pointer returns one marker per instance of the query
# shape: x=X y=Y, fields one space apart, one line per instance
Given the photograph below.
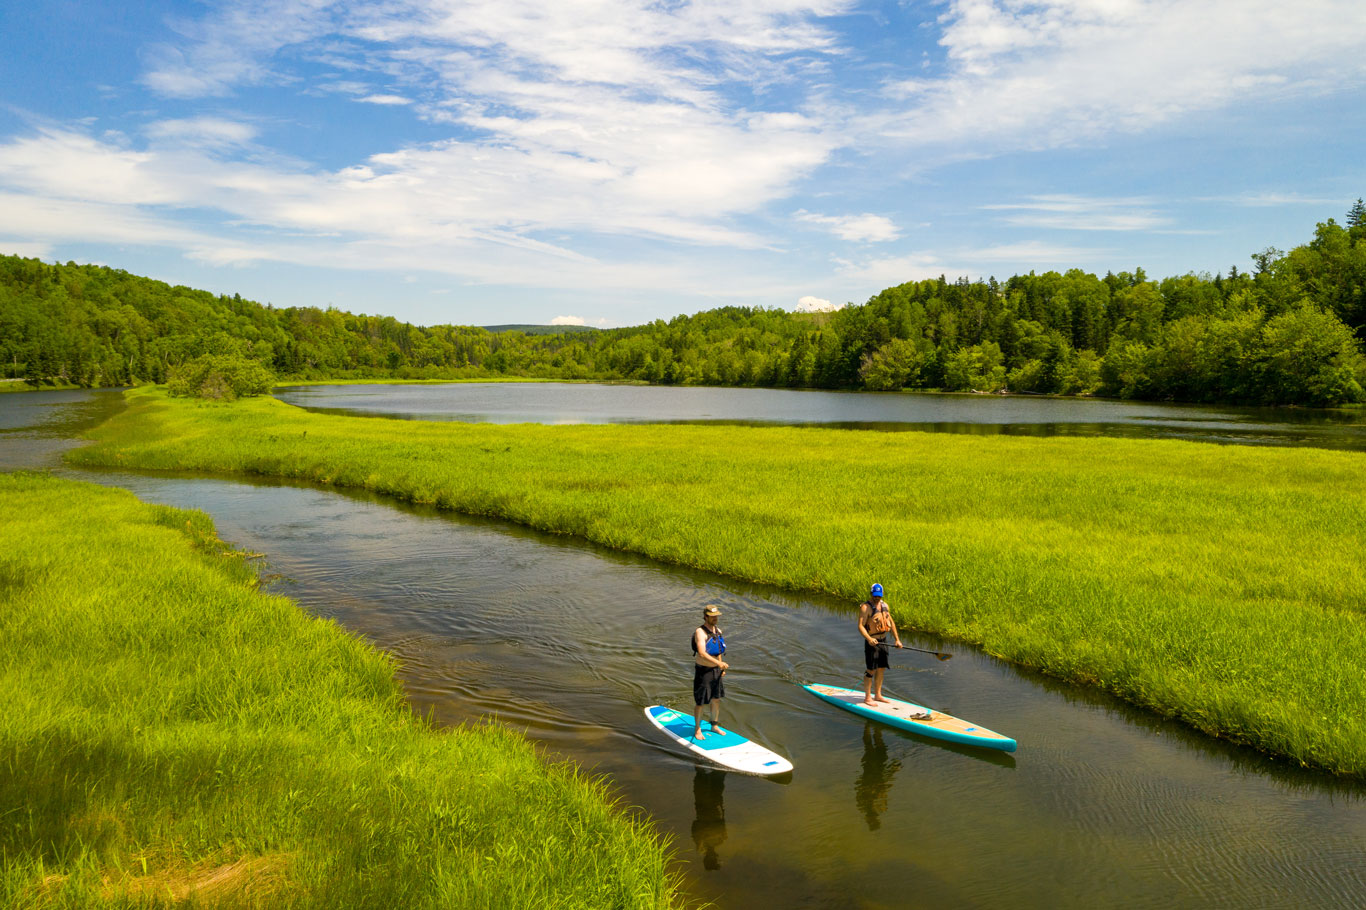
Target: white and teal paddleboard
x=723 y=746
x=915 y=718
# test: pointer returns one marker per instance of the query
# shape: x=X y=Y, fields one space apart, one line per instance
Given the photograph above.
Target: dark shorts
x=875 y=656
x=707 y=684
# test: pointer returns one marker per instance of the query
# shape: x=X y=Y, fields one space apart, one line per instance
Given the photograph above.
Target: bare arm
x=863 y=617
x=699 y=639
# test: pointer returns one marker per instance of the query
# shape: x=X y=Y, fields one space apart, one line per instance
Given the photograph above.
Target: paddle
x=939 y=654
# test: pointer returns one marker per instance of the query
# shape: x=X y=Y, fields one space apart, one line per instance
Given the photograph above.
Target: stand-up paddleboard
x=915 y=718
x=724 y=747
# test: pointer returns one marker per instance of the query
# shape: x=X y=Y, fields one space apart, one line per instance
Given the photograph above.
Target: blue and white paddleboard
x=722 y=746
x=915 y=718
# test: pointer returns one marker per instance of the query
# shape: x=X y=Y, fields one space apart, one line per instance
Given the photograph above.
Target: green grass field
x=1219 y=584
x=171 y=736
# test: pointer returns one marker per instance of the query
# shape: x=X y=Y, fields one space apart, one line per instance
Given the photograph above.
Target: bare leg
x=879 y=674
x=868 y=687
x=716 y=715
x=697 y=723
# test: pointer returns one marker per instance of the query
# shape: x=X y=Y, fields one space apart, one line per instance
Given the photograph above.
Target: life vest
x=880 y=622
x=716 y=642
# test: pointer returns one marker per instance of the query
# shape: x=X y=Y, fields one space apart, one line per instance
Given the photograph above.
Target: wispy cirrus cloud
x=1274 y=200
x=29 y=249
x=216 y=132
x=1081 y=213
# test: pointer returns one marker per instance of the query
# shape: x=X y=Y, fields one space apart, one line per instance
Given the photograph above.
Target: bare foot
x=698 y=734
x=880 y=698
x=868 y=702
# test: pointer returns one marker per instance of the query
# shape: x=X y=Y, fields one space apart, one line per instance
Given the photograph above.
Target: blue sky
x=614 y=162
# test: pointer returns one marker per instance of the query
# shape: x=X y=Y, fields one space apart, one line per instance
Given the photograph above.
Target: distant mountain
x=539 y=329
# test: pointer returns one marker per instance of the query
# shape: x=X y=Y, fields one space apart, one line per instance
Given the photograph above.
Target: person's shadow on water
x=873 y=784
x=709 y=828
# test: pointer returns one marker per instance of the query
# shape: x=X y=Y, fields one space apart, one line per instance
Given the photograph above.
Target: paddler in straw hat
x=708 y=688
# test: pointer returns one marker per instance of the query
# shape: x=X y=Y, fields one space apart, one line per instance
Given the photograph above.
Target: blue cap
x=877 y=590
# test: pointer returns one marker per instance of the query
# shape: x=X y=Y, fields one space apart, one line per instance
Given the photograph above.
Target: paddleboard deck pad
x=907 y=716
x=723 y=746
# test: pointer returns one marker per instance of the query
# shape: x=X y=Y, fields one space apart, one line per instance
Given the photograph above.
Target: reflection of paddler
x=873 y=785
x=709 y=828
x=708 y=644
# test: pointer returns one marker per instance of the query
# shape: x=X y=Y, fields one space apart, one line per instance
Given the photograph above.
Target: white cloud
x=567 y=320
x=1049 y=73
x=855 y=228
x=810 y=304
x=391 y=100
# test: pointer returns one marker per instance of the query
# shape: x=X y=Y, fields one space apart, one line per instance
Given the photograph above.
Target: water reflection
x=875 y=780
x=709 y=823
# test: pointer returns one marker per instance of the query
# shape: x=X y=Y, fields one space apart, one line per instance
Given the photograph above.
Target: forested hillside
x=1288 y=332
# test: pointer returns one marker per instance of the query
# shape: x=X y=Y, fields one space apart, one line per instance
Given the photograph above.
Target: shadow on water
x=1103 y=804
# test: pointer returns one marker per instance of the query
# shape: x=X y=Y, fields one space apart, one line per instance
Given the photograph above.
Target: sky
x=612 y=162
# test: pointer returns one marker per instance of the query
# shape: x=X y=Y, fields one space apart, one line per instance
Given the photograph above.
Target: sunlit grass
x=1220 y=584
x=170 y=734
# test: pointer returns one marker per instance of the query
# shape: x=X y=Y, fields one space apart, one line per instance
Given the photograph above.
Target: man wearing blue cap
x=874 y=622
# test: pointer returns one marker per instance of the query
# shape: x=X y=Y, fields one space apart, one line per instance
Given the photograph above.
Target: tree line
x=1289 y=331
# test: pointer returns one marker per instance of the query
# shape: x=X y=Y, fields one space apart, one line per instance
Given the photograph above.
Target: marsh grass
x=1222 y=585
x=171 y=735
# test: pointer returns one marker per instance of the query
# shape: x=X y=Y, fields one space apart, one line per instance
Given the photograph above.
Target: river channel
x=1102 y=805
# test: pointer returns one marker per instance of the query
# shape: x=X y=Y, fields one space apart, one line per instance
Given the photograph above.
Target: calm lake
x=556 y=402
x=1102 y=805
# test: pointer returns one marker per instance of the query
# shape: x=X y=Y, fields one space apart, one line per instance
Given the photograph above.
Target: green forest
x=1288 y=331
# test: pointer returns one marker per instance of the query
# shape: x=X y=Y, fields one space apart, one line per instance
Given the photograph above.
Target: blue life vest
x=716 y=642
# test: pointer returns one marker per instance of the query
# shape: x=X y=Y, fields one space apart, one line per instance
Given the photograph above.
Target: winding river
x=1102 y=805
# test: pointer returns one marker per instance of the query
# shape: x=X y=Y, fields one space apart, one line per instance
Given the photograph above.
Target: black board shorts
x=707 y=684
x=875 y=656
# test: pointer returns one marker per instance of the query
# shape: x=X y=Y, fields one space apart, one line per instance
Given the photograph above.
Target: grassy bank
x=172 y=735
x=1219 y=584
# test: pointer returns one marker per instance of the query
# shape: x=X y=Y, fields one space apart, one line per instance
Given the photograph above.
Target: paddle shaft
x=939 y=654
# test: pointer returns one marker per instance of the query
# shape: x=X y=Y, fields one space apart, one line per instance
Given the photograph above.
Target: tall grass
x=1222 y=585
x=170 y=735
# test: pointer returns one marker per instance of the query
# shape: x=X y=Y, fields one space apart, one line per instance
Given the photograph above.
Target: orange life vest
x=880 y=622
